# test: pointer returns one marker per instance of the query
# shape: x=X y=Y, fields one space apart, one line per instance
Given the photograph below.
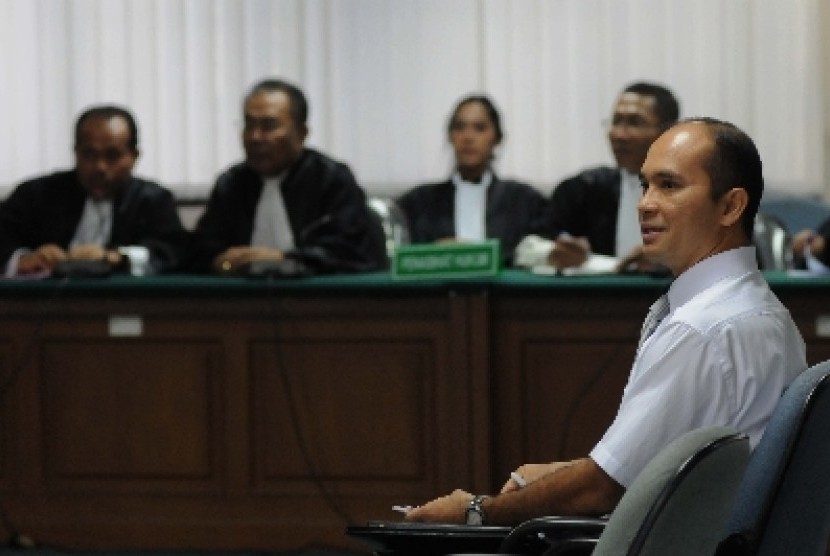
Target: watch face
x=475 y=513
x=474 y=517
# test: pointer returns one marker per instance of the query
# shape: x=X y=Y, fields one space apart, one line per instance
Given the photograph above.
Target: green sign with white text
x=447 y=260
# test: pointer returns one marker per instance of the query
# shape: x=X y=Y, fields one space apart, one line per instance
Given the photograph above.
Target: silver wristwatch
x=475 y=513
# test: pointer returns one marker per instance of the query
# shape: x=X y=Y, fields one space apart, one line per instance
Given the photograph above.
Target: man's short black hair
x=734 y=162
x=105 y=112
x=299 y=105
x=667 y=108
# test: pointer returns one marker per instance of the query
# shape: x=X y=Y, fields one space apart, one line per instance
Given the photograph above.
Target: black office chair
x=677 y=505
x=783 y=504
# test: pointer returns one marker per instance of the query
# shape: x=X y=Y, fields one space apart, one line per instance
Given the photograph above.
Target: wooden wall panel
x=185 y=437
x=6 y=394
x=571 y=391
x=272 y=420
x=351 y=415
x=123 y=414
x=361 y=413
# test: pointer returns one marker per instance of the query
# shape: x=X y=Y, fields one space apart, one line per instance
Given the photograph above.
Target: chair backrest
x=783 y=503
x=773 y=243
x=677 y=505
x=391 y=220
x=796 y=210
x=681 y=500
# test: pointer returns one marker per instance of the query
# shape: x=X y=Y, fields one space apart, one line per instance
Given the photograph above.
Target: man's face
x=473 y=137
x=634 y=127
x=271 y=138
x=104 y=159
x=680 y=222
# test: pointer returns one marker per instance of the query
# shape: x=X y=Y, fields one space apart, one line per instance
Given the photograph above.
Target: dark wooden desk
x=205 y=413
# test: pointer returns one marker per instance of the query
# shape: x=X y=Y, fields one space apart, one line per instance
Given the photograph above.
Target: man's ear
x=733 y=205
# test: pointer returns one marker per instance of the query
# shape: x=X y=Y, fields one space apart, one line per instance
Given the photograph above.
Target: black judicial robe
x=514 y=210
x=331 y=224
x=48 y=209
x=586 y=205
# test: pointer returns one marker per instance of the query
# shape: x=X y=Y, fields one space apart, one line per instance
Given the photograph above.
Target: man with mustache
x=285 y=202
x=594 y=212
x=98 y=211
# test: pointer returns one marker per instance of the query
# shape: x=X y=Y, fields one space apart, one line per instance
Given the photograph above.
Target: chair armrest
x=537 y=536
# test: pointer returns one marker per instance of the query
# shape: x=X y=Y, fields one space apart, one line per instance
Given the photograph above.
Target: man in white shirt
x=718 y=349
x=594 y=213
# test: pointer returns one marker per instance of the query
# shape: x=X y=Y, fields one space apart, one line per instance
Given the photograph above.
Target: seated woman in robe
x=474 y=204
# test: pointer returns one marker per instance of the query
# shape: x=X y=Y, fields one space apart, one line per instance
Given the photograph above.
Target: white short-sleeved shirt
x=722 y=356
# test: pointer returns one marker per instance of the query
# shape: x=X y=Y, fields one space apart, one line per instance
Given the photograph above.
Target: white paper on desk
x=814 y=265
x=596 y=264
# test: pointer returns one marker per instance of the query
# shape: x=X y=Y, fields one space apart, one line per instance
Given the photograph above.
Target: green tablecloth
x=374 y=282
